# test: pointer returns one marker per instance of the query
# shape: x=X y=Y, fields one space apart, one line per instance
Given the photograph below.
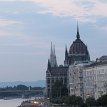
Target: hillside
x=39 y=83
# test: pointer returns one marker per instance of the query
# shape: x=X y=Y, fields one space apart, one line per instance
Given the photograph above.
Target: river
x=11 y=102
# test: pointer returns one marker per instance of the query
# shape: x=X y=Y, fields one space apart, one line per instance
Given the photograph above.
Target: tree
x=90 y=101
x=21 y=87
x=56 y=89
x=73 y=100
x=59 y=89
x=102 y=101
x=64 y=90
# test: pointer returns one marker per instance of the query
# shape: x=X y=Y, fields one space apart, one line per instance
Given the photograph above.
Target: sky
x=27 y=28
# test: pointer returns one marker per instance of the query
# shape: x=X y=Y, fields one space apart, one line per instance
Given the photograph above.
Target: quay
x=32 y=103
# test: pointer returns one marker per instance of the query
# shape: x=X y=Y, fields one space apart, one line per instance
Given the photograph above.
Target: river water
x=11 y=102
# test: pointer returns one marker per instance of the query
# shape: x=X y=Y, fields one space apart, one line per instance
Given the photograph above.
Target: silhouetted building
x=78 y=52
x=54 y=72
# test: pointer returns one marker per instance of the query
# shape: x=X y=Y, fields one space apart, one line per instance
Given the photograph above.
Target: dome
x=78 y=51
x=78 y=47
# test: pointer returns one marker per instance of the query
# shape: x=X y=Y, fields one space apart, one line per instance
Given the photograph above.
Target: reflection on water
x=11 y=103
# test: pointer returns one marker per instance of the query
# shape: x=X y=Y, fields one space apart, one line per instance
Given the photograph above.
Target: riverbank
x=37 y=102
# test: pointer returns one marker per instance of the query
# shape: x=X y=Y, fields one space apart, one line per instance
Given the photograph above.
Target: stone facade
x=76 y=82
x=88 y=79
x=78 y=52
x=95 y=80
x=53 y=75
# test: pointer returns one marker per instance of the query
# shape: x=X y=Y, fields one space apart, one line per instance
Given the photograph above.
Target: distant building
x=54 y=73
x=78 y=52
x=78 y=56
x=81 y=76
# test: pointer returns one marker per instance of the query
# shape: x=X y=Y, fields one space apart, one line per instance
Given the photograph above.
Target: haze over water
x=10 y=103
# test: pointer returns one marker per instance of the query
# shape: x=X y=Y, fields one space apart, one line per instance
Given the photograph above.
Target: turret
x=88 y=55
x=49 y=65
x=66 y=57
x=55 y=61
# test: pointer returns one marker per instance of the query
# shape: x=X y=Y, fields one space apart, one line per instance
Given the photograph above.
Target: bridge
x=3 y=91
x=21 y=93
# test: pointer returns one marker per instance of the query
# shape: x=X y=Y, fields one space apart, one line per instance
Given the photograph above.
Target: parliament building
x=78 y=52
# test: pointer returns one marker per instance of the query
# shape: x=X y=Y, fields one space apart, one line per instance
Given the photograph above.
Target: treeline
x=20 y=91
x=20 y=87
x=78 y=101
x=60 y=96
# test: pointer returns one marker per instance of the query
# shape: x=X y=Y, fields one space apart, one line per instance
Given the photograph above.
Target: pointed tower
x=55 y=61
x=78 y=51
x=78 y=35
x=51 y=53
x=66 y=57
x=52 y=60
x=49 y=65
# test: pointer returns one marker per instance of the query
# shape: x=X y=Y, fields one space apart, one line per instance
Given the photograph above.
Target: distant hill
x=39 y=83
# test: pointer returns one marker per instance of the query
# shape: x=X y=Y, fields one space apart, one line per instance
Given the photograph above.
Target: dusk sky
x=27 y=28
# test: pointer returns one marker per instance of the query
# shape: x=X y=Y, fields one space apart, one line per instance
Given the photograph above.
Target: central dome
x=78 y=50
x=78 y=47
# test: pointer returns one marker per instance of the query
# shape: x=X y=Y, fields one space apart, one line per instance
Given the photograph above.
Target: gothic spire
x=66 y=52
x=66 y=57
x=49 y=65
x=54 y=50
x=78 y=35
x=53 y=61
x=51 y=49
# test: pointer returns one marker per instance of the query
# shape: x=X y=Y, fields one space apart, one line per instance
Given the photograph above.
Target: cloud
x=104 y=28
x=7 y=27
x=6 y=22
x=8 y=33
x=7 y=0
x=82 y=10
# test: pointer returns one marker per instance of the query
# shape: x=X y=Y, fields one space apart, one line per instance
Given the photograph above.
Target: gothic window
x=48 y=90
x=48 y=80
x=52 y=80
x=65 y=80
